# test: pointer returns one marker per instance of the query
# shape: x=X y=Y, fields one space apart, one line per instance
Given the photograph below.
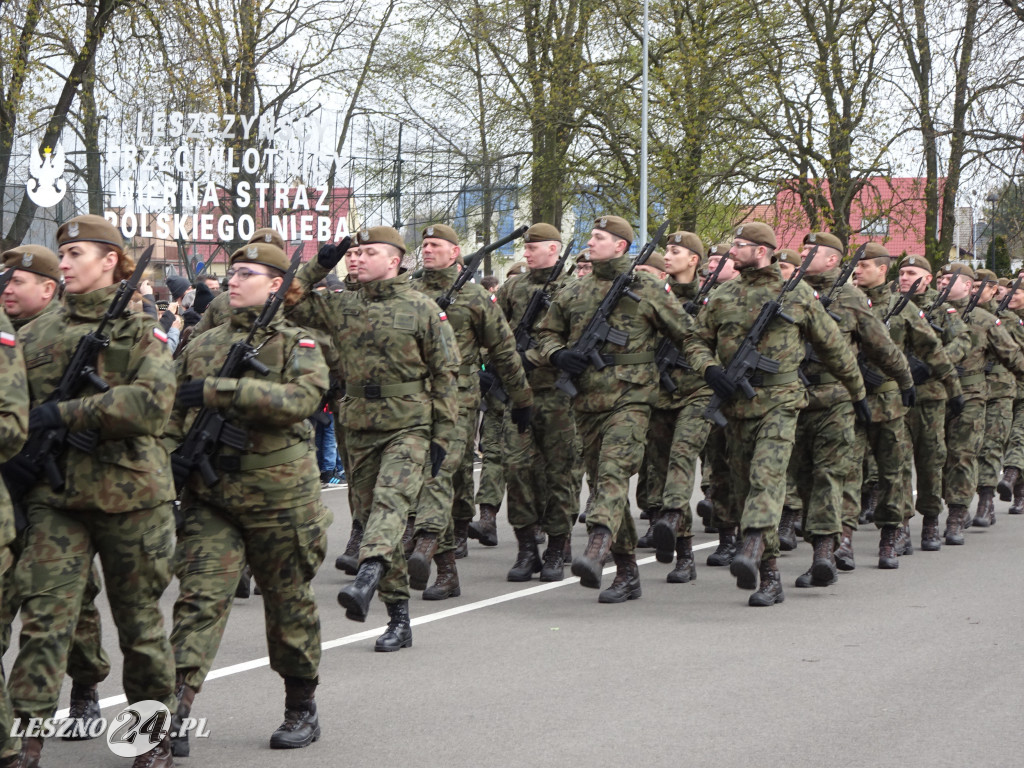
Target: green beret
x=788 y=255
x=261 y=253
x=540 y=233
x=615 y=225
x=89 y=228
x=1003 y=282
x=519 y=268
x=442 y=231
x=656 y=260
x=35 y=259
x=874 y=251
x=913 y=260
x=757 y=232
x=959 y=268
x=719 y=249
x=986 y=274
x=583 y=255
x=387 y=235
x=688 y=240
x=267 y=235
x=826 y=239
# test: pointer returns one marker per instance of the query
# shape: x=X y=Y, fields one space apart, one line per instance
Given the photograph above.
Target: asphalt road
x=922 y=666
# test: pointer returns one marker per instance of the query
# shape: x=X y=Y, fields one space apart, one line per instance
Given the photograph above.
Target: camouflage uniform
x=1002 y=389
x=492 y=471
x=1014 y=455
x=264 y=510
x=116 y=501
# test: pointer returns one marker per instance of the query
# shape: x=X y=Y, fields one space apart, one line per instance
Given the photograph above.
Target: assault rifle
x=1006 y=299
x=44 y=446
x=901 y=302
x=919 y=369
x=210 y=429
x=841 y=280
x=599 y=329
x=5 y=278
x=693 y=305
x=747 y=359
x=538 y=301
x=975 y=299
x=929 y=314
x=473 y=264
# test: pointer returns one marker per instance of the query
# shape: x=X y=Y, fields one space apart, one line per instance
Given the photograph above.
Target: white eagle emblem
x=45 y=186
x=430 y=232
x=252 y=253
x=26 y=259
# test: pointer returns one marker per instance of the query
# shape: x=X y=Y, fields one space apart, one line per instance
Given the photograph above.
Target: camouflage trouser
x=1015 y=445
x=759 y=452
x=284 y=548
x=542 y=466
x=492 y=470
x=889 y=445
x=963 y=444
x=675 y=439
x=820 y=466
x=926 y=426
x=715 y=475
x=8 y=746
x=850 y=512
x=385 y=478
x=613 y=448
x=463 y=484
x=998 y=419
x=135 y=550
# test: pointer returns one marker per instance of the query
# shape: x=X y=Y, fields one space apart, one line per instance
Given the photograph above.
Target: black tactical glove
x=527 y=365
x=521 y=417
x=862 y=410
x=21 y=473
x=909 y=396
x=719 y=382
x=180 y=470
x=437 y=454
x=487 y=381
x=956 y=405
x=190 y=394
x=45 y=416
x=331 y=254
x=569 y=361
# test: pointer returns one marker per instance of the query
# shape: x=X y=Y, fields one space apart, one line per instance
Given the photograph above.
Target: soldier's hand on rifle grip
x=180 y=470
x=691 y=308
x=437 y=454
x=521 y=417
x=569 y=361
x=21 y=471
x=862 y=410
x=956 y=405
x=190 y=394
x=719 y=382
x=45 y=416
x=487 y=381
x=909 y=396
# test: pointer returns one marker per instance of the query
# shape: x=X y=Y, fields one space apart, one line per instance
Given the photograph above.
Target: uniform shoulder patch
x=951 y=311
x=998 y=321
x=307 y=343
x=442 y=316
x=870 y=304
x=160 y=335
x=494 y=299
x=921 y=314
x=668 y=288
x=8 y=339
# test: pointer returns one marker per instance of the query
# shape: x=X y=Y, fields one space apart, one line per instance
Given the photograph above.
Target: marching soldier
x=1011 y=485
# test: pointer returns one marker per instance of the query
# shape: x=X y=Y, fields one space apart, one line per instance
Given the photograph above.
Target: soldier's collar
x=385 y=289
x=89 y=306
x=612 y=268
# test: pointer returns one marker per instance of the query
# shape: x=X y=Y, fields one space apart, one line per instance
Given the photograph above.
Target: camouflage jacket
x=21 y=322
x=955 y=338
x=513 y=297
x=271 y=409
x=129 y=469
x=13 y=416
x=1014 y=322
x=731 y=311
x=864 y=332
x=1001 y=382
x=646 y=321
x=687 y=382
x=479 y=324
x=990 y=342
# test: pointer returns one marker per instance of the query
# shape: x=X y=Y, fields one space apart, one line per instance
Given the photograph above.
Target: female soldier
x=265 y=507
x=115 y=500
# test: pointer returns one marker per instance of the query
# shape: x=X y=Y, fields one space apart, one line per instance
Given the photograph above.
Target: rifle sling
x=247 y=461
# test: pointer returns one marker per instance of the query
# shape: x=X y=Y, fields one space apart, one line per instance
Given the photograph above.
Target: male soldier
x=789 y=261
x=541 y=463
x=399 y=361
x=492 y=471
x=30 y=290
x=583 y=265
x=1011 y=486
x=444 y=509
x=825 y=459
x=964 y=433
x=613 y=404
x=886 y=434
x=926 y=421
x=761 y=430
x=792 y=509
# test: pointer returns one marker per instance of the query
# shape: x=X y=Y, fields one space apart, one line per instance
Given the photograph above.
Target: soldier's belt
x=888 y=386
x=635 y=358
x=242 y=462
x=815 y=379
x=773 y=379
x=468 y=369
x=378 y=391
x=971 y=378
x=997 y=369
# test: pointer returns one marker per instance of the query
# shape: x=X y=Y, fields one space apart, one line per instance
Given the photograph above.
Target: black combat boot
x=770 y=592
x=84 y=710
x=588 y=565
x=301 y=726
x=158 y=757
x=955 y=524
x=844 y=554
x=399 y=634
x=553 y=566
x=887 y=559
x=823 y=566
x=745 y=563
x=1007 y=482
x=787 y=529
x=647 y=540
x=986 y=512
x=409 y=538
x=348 y=561
x=664 y=535
x=185 y=695
x=930 y=539
x=244 y=588
x=538 y=535
x=485 y=530
x=706 y=510
x=1017 y=507
x=447 y=583
x=419 y=561
x=904 y=544
x=461 y=539
x=685 y=570
x=567 y=552
x=726 y=549
x=528 y=560
x=868 y=504
x=355 y=597
x=626 y=585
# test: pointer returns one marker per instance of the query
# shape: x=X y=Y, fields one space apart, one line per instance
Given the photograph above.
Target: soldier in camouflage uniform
x=478 y=325
x=541 y=463
x=13 y=430
x=30 y=293
x=265 y=508
x=761 y=431
x=399 y=360
x=115 y=500
x=492 y=471
x=613 y=404
x=1011 y=485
